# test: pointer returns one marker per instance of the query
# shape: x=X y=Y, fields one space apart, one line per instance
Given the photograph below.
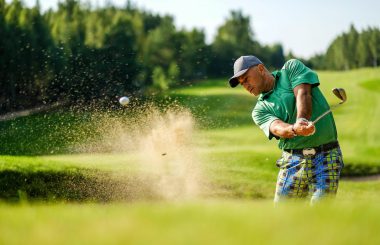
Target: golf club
x=341 y=94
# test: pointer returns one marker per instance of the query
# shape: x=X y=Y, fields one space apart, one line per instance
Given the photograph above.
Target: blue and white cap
x=242 y=65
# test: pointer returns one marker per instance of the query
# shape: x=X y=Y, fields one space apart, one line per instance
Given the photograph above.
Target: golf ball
x=124 y=100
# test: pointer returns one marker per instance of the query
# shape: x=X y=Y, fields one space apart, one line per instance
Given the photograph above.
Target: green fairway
x=203 y=222
x=76 y=182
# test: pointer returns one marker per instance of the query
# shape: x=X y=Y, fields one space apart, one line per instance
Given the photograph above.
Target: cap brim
x=234 y=81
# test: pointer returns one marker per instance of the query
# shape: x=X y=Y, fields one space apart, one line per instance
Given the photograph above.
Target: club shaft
x=325 y=113
x=341 y=94
x=321 y=116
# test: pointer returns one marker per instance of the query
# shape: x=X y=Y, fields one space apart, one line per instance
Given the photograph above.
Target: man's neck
x=270 y=83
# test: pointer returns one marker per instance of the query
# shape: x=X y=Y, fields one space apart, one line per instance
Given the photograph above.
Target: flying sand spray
x=160 y=140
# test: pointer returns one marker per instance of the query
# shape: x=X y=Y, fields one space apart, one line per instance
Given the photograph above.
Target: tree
x=352 y=46
x=3 y=57
x=14 y=46
x=336 y=55
x=351 y=50
x=374 y=45
x=160 y=48
x=120 y=48
x=277 y=58
x=317 y=62
x=193 y=55
x=234 y=38
x=363 y=50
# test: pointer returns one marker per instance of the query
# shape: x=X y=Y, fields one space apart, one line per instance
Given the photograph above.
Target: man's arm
x=302 y=93
x=303 y=97
x=282 y=129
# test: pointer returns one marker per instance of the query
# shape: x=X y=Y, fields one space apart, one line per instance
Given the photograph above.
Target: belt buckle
x=309 y=152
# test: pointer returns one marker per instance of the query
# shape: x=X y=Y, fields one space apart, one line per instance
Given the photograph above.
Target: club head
x=341 y=94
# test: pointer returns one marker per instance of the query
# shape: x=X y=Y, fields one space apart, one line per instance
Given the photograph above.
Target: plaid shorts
x=314 y=176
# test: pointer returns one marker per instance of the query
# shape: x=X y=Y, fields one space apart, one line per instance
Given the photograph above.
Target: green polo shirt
x=280 y=103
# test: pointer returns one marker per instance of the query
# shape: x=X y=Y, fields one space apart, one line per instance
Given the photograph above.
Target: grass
x=85 y=197
x=204 y=222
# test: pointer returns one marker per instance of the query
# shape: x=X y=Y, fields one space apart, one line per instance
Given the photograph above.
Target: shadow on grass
x=371 y=85
x=84 y=185
x=360 y=170
x=81 y=185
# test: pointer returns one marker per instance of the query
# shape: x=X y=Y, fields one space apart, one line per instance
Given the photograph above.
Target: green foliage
x=173 y=73
x=79 y=53
x=193 y=56
x=272 y=55
x=374 y=47
x=159 y=79
x=162 y=79
x=234 y=38
x=351 y=50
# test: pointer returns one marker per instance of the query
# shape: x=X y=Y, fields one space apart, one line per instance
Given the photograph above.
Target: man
x=289 y=99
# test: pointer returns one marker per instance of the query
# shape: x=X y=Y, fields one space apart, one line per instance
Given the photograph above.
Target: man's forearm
x=304 y=106
x=286 y=130
x=303 y=97
x=303 y=101
x=282 y=129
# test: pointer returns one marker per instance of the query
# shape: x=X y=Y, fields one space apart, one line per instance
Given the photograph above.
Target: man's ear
x=261 y=68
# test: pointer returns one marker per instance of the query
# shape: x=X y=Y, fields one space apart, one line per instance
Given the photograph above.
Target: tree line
x=350 y=50
x=77 y=52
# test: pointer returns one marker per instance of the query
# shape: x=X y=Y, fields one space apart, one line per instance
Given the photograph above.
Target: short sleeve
x=263 y=118
x=298 y=73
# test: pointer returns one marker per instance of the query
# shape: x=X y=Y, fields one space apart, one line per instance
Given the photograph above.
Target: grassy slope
x=241 y=166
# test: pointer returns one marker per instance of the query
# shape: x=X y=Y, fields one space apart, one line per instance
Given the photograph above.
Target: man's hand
x=304 y=128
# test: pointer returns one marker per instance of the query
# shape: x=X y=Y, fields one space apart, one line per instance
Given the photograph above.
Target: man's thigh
x=292 y=180
x=328 y=166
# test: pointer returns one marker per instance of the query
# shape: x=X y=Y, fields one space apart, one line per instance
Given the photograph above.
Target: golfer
x=289 y=99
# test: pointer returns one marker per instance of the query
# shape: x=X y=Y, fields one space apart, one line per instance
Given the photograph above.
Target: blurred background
x=69 y=51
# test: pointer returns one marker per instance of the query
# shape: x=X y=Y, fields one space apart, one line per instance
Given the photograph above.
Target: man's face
x=253 y=80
